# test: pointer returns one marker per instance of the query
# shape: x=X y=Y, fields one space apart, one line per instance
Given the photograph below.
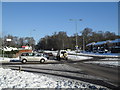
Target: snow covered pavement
x=96 y=54
x=15 y=79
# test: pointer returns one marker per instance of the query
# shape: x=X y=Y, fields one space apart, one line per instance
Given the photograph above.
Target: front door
x=31 y=57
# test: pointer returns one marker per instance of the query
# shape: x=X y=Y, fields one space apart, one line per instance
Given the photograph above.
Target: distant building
x=110 y=45
x=26 y=47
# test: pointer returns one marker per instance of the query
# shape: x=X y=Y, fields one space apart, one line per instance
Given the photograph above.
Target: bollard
x=20 y=67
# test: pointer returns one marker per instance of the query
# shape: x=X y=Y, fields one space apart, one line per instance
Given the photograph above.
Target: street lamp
x=75 y=20
x=83 y=41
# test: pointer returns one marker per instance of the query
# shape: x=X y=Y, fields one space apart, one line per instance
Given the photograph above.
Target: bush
x=10 y=53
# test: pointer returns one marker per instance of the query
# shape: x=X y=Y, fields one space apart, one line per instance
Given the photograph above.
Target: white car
x=25 y=57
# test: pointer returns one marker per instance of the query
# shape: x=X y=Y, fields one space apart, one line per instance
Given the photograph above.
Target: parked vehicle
x=26 y=57
x=102 y=50
x=62 y=54
x=49 y=55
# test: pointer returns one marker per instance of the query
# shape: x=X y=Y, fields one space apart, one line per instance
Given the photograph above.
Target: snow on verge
x=96 y=54
x=2 y=60
x=15 y=79
x=76 y=58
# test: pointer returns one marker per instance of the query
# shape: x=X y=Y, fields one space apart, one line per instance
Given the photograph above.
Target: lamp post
x=83 y=44
x=83 y=41
x=75 y=20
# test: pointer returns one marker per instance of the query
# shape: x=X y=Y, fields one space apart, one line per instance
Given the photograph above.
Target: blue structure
x=109 y=45
x=115 y=41
x=100 y=43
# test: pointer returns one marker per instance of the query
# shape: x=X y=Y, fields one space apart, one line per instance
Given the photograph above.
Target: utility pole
x=83 y=43
x=75 y=20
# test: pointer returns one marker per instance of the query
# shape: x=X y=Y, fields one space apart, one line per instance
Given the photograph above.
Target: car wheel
x=24 y=61
x=42 y=60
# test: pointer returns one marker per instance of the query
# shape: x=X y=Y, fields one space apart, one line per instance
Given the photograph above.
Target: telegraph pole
x=75 y=20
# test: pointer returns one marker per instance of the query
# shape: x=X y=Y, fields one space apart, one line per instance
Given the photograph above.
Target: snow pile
x=74 y=57
x=96 y=54
x=15 y=79
x=17 y=59
x=71 y=52
x=4 y=59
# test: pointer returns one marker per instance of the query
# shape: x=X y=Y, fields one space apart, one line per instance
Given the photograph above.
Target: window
x=24 y=54
x=63 y=52
x=38 y=54
x=31 y=54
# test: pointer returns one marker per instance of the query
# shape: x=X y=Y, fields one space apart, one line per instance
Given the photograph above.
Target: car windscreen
x=31 y=54
x=63 y=52
x=38 y=54
x=24 y=54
